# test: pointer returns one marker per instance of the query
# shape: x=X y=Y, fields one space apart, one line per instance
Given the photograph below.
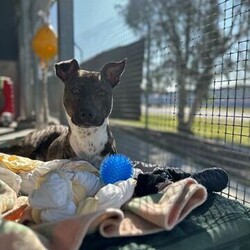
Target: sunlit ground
x=230 y=126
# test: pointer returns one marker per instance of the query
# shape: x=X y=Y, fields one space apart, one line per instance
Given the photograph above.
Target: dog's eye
x=101 y=92
x=75 y=90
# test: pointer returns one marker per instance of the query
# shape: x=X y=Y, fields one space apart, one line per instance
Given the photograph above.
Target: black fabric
x=147 y=184
x=213 y=179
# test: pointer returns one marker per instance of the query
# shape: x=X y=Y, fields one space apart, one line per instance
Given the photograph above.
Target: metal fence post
x=148 y=78
x=26 y=88
x=66 y=38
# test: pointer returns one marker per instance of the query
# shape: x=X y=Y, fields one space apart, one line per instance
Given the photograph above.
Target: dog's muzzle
x=87 y=118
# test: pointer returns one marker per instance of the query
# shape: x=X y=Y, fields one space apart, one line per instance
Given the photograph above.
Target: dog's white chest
x=88 y=142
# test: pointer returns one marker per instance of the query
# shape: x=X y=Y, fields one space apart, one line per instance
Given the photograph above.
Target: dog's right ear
x=65 y=69
x=112 y=71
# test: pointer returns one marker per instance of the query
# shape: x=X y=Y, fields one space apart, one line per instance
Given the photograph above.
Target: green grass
x=155 y=122
x=229 y=131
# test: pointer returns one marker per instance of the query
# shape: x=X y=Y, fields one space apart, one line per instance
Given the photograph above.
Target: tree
x=194 y=35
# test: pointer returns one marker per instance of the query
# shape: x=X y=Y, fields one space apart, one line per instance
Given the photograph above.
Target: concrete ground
x=140 y=150
x=10 y=133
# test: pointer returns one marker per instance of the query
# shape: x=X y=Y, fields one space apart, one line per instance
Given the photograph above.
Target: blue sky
x=97 y=27
x=88 y=14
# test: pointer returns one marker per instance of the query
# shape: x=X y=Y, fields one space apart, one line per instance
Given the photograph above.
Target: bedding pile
x=58 y=203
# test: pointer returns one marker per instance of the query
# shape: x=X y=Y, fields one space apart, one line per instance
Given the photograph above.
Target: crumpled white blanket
x=62 y=188
x=55 y=196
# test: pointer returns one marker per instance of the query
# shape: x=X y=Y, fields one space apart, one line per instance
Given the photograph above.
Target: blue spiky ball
x=116 y=168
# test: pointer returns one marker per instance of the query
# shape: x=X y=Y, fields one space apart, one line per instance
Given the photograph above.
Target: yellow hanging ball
x=44 y=43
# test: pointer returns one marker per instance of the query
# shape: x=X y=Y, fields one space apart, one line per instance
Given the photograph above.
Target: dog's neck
x=87 y=142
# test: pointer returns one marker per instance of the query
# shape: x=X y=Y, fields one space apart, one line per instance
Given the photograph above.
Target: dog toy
x=116 y=168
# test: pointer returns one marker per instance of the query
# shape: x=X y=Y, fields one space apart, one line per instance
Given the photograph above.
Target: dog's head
x=88 y=95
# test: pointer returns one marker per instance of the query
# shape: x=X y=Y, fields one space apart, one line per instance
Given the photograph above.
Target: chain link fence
x=193 y=100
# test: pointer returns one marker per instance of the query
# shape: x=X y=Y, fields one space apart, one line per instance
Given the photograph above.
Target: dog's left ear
x=112 y=72
x=66 y=69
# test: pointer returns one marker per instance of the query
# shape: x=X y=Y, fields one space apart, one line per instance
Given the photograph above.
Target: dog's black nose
x=87 y=115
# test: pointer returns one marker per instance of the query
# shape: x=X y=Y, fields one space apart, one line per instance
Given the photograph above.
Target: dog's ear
x=65 y=69
x=112 y=71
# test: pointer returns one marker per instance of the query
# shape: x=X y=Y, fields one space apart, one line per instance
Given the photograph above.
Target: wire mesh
x=195 y=90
